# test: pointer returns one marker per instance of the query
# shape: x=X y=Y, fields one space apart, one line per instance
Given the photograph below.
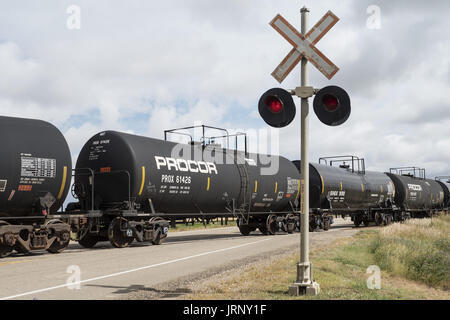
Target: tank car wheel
x=366 y=222
x=19 y=249
x=116 y=236
x=57 y=246
x=4 y=250
x=88 y=241
x=159 y=239
x=378 y=219
x=244 y=229
x=388 y=220
x=326 y=223
x=290 y=223
x=297 y=225
x=161 y=236
x=271 y=224
x=357 y=220
x=263 y=230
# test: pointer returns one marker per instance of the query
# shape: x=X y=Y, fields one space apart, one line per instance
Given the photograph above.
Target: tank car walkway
x=109 y=273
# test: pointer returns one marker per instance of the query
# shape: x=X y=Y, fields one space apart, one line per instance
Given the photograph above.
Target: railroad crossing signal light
x=277 y=107
x=332 y=105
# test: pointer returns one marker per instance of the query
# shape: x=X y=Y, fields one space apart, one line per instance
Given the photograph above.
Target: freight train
x=348 y=189
x=129 y=187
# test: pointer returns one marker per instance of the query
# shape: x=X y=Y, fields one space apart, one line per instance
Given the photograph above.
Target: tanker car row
x=129 y=187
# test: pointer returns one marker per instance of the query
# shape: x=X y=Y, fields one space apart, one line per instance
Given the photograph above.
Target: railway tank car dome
x=35 y=167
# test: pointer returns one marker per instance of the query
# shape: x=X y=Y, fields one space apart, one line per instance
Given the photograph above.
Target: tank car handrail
x=414 y=170
x=92 y=174
x=440 y=178
x=180 y=133
x=204 y=137
x=199 y=126
x=360 y=161
x=238 y=134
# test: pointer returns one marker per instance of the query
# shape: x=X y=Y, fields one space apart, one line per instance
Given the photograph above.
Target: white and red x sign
x=304 y=46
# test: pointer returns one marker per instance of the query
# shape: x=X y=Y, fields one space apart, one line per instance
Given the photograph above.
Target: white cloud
x=174 y=63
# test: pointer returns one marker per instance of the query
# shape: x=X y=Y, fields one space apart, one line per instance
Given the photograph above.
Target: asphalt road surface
x=109 y=273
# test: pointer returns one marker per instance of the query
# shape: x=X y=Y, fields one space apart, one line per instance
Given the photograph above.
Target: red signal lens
x=275 y=104
x=330 y=102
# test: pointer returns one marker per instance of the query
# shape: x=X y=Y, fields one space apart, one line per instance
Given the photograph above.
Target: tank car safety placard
x=35 y=170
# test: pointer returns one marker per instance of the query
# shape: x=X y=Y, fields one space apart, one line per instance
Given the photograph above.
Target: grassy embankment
x=414 y=258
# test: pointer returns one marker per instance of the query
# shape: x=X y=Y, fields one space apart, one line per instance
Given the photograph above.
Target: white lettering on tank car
x=3 y=185
x=183 y=165
x=37 y=167
x=190 y=163
x=414 y=187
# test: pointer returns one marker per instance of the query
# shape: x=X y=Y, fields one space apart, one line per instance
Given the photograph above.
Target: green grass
x=413 y=257
x=418 y=250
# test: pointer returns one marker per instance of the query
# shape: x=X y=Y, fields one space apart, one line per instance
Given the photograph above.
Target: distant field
x=414 y=258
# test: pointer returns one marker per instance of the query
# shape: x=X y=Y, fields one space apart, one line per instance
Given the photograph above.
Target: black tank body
x=445 y=185
x=417 y=193
x=182 y=178
x=35 y=161
x=340 y=188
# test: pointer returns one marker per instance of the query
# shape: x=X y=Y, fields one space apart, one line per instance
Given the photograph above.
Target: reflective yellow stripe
x=298 y=191
x=209 y=181
x=362 y=187
x=63 y=183
x=323 y=184
x=256 y=185
x=276 y=187
x=381 y=188
x=143 y=180
x=341 y=185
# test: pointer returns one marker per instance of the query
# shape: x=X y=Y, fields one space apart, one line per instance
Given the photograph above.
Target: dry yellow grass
x=341 y=268
x=418 y=249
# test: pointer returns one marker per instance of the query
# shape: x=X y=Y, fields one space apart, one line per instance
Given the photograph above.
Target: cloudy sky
x=145 y=66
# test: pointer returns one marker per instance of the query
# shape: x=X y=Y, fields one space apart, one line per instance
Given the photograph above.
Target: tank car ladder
x=244 y=207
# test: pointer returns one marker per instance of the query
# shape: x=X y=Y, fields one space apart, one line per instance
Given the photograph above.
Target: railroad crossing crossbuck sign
x=304 y=46
x=331 y=104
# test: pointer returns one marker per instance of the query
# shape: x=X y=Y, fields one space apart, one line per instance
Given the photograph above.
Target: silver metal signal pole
x=304 y=284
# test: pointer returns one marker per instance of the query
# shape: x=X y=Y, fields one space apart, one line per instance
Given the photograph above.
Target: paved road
x=110 y=273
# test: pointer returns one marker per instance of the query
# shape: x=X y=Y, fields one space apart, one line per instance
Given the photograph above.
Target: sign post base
x=304 y=284
x=300 y=289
